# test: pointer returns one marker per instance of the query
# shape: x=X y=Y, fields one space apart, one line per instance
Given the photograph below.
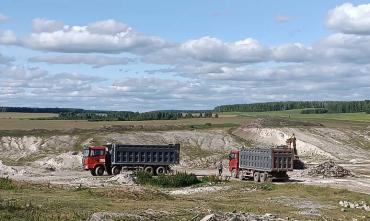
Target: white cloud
x=3 y=18
x=8 y=37
x=96 y=61
x=44 y=25
x=214 y=50
x=5 y=59
x=350 y=19
x=292 y=53
x=106 y=36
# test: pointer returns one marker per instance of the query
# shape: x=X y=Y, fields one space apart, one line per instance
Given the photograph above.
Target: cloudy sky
x=147 y=55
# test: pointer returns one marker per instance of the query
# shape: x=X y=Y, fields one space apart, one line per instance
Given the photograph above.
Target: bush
x=177 y=180
x=211 y=179
x=6 y=184
x=265 y=186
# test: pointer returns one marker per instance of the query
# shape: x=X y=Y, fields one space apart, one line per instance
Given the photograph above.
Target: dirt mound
x=241 y=217
x=123 y=178
x=15 y=148
x=65 y=161
x=9 y=171
x=328 y=169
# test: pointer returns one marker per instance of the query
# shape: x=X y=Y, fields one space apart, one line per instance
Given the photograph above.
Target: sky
x=156 y=55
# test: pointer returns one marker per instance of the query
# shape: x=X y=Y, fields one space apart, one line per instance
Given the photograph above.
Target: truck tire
x=256 y=176
x=234 y=174
x=99 y=170
x=93 y=172
x=160 y=170
x=149 y=169
x=116 y=170
x=263 y=177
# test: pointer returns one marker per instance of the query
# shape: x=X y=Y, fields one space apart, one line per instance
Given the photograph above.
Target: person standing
x=220 y=167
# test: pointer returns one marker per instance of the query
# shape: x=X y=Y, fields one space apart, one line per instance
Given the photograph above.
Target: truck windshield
x=86 y=152
x=97 y=152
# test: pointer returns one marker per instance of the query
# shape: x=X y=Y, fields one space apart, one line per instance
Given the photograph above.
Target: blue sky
x=147 y=55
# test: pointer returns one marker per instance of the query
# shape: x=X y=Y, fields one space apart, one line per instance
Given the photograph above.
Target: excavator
x=292 y=143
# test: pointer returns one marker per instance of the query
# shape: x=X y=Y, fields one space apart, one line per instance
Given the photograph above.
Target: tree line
x=327 y=106
x=130 y=116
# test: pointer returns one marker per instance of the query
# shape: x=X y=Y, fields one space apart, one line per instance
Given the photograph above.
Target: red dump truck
x=261 y=164
x=154 y=159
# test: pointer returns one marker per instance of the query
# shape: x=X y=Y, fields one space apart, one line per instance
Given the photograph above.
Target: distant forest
x=96 y=115
x=323 y=106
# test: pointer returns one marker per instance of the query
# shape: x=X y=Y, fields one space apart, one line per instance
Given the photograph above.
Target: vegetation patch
x=6 y=184
x=180 y=179
x=212 y=179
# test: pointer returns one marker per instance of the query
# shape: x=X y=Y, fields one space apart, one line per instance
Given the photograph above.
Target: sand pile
x=9 y=171
x=241 y=217
x=65 y=161
x=123 y=178
x=328 y=169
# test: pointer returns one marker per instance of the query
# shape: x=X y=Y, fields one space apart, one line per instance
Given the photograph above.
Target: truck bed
x=266 y=159
x=145 y=154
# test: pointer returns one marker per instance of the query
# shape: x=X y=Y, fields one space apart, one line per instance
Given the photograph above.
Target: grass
x=16 y=115
x=6 y=184
x=167 y=181
x=39 y=202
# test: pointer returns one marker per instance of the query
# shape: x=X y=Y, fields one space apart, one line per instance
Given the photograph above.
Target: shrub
x=265 y=186
x=177 y=180
x=6 y=184
x=211 y=179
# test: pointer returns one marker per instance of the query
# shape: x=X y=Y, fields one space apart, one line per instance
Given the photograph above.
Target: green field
x=16 y=115
x=24 y=201
x=29 y=121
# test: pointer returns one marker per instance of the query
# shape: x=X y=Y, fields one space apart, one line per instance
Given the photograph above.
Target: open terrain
x=43 y=158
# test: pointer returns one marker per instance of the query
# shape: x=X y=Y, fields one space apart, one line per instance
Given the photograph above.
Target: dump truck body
x=155 y=159
x=262 y=164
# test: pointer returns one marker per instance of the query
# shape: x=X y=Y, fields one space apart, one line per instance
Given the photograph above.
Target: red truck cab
x=94 y=159
x=234 y=163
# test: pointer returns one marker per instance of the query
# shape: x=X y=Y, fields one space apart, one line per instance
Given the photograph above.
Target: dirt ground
x=57 y=164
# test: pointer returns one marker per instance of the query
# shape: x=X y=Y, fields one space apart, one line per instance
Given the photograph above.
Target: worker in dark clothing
x=220 y=167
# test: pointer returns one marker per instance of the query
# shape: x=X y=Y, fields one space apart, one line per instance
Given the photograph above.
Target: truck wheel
x=99 y=170
x=256 y=176
x=93 y=172
x=263 y=177
x=234 y=174
x=149 y=169
x=160 y=170
x=116 y=170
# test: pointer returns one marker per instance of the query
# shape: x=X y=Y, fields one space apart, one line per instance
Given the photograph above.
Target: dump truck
x=261 y=164
x=113 y=158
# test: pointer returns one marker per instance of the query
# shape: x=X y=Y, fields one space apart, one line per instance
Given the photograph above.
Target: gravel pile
x=328 y=169
x=6 y=171
x=355 y=205
x=241 y=217
x=123 y=178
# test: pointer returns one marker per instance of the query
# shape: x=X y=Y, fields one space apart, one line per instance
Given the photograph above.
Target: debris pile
x=123 y=178
x=65 y=161
x=355 y=205
x=241 y=217
x=328 y=169
x=189 y=190
x=9 y=171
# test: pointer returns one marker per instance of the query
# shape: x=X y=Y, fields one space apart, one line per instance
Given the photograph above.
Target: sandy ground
x=314 y=145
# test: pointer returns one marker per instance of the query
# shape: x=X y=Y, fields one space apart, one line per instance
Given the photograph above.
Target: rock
x=209 y=217
x=328 y=169
x=343 y=210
